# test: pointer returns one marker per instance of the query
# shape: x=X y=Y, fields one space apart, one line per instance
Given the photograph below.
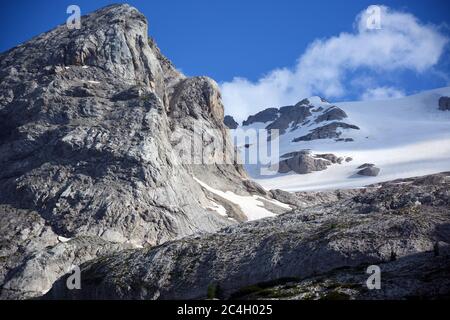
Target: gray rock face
x=302 y=163
x=370 y=171
x=366 y=165
x=230 y=122
x=330 y=157
x=326 y=246
x=303 y=115
x=37 y=273
x=290 y=116
x=328 y=131
x=334 y=113
x=266 y=115
x=419 y=276
x=444 y=103
x=94 y=123
x=296 y=153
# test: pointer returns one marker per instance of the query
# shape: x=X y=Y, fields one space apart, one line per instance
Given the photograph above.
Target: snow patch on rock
x=252 y=206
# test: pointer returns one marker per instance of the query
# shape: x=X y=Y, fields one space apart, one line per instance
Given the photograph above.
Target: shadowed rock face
x=302 y=163
x=333 y=113
x=369 y=171
x=444 y=103
x=325 y=120
x=402 y=226
x=327 y=131
x=290 y=116
x=91 y=128
x=230 y=122
x=266 y=115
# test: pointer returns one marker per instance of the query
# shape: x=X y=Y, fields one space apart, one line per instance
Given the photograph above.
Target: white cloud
x=403 y=43
x=382 y=93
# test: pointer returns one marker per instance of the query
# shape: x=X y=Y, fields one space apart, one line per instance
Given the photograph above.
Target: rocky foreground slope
x=319 y=251
x=96 y=129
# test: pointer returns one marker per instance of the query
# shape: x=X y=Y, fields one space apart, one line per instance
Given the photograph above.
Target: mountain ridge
x=115 y=162
x=95 y=124
x=376 y=132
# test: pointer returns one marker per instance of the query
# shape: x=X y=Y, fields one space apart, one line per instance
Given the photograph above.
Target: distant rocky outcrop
x=303 y=162
x=230 y=122
x=366 y=165
x=368 y=169
x=316 y=115
x=344 y=139
x=328 y=131
x=330 y=157
x=264 y=116
x=290 y=116
x=333 y=113
x=316 y=252
x=444 y=103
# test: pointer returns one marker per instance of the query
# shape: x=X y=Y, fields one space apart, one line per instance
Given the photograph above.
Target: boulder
x=295 y=153
x=290 y=116
x=330 y=157
x=302 y=163
x=369 y=171
x=366 y=165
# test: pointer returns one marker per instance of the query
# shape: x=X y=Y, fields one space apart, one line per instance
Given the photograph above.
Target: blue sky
x=252 y=39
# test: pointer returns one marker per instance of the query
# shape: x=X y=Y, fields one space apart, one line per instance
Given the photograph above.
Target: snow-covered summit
x=403 y=137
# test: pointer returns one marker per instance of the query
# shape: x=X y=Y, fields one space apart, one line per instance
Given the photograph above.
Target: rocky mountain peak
x=230 y=122
x=113 y=39
x=95 y=125
x=195 y=97
x=315 y=115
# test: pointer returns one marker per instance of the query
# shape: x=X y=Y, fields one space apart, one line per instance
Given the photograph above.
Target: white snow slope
x=252 y=206
x=404 y=137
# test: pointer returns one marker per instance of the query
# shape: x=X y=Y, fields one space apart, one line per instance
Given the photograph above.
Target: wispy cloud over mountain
x=330 y=66
x=381 y=93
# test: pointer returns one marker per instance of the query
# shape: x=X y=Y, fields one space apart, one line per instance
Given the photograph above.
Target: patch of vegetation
x=335 y=295
x=245 y=291
x=345 y=285
x=259 y=288
x=278 y=282
x=278 y=292
x=309 y=296
x=214 y=291
x=408 y=210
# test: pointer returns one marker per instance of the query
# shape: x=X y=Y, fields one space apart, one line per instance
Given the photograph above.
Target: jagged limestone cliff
x=93 y=124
